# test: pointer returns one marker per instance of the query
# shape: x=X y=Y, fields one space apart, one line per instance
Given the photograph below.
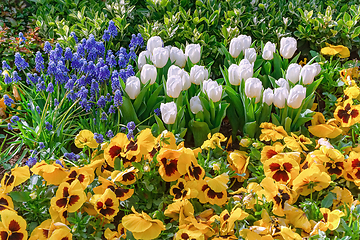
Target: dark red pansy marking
x=177 y=192
x=73 y=174
x=281 y=175
x=128 y=176
x=111 y=187
x=107 y=211
x=109 y=202
x=4 y=202
x=16 y=236
x=132 y=146
x=9 y=179
x=184 y=193
x=170 y=166
x=181 y=185
x=325 y=217
x=212 y=194
x=120 y=192
x=153 y=152
x=73 y=199
x=226 y=217
x=14 y=226
x=3 y=235
x=287 y=166
x=125 y=160
x=270 y=153
x=65 y=214
x=204 y=187
x=355 y=163
x=280 y=200
x=65 y=238
x=45 y=233
x=357 y=174
x=66 y=192
x=335 y=170
x=61 y=202
x=219 y=195
x=81 y=177
x=351 y=177
x=185 y=236
x=99 y=205
x=305 y=166
x=114 y=151
x=274 y=167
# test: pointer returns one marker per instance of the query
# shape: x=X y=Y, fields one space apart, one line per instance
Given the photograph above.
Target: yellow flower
x=142 y=226
x=348 y=114
x=333 y=50
x=106 y=204
x=12 y=226
x=180 y=210
x=188 y=234
x=85 y=138
x=271 y=132
x=213 y=141
x=238 y=162
x=115 y=235
x=17 y=176
x=52 y=173
x=310 y=180
x=297 y=143
x=51 y=230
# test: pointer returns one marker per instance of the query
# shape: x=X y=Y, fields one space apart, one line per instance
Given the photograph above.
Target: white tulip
x=283 y=83
x=213 y=90
x=234 y=74
x=195 y=105
x=177 y=56
x=318 y=68
x=268 y=96
x=142 y=58
x=160 y=57
x=288 y=46
x=280 y=96
x=268 y=51
x=132 y=87
x=185 y=80
x=308 y=73
x=193 y=51
x=296 y=96
x=198 y=74
x=148 y=72
x=253 y=87
x=154 y=42
x=174 y=70
x=250 y=54
x=174 y=86
x=239 y=44
x=168 y=112
x=293 y=72
x=246 y=69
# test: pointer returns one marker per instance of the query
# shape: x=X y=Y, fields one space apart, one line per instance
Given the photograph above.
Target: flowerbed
x=126 y=142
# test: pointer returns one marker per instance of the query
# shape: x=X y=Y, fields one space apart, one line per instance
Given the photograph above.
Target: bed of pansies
x=117 y=132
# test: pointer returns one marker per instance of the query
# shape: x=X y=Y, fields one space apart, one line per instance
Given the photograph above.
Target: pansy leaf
x=328 y=200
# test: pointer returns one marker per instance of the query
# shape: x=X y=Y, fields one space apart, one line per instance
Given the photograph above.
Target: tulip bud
x=213 y=90
x=198 y=74
x=296 y=96
x=132 y=87
x=148 y=72
x=239 y=44
x=268 y=51
x=253 y=87
x=195 y=105
x=193 y=51
x=280 y=96
x=177 y=56
x=283 y=83
x=288 y=46
x=160 y=57
x=250 y=54
x=246 y=69
x=234 y=74
x=308 y=73
x=154 y=42
x=293 y=73
x=142 y=58
x=168 y=112
x=174 y=86
x=268 y=96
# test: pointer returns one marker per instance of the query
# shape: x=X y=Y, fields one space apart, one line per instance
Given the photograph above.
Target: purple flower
x=14 y=119
x=112 y=29
x=103 y=116
x=110 y=134
x=101 y=102
x=118 y=98
x=8 y=101
x=31 y=161
x=37 y=108
x=111 y=61
x=10 y=128
x=157 y=112
x=130 y=134
x=72 y=156
x=39 y=61
x=104 y=73
x=5 y=65
x=56 y=102
x=40 y=86
x=111 y=109
x=59 y=162
x=20 y=63
x=72 y=34
x=106 y=35
x=68 y=54
x=41 y=145
x=131 y=125
x=47 y=47
x=50 y=88
x=16 y=77
x=48 y=126
x=98 y=138
x=7 y=79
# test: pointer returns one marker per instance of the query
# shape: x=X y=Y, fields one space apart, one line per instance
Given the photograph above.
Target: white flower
x=154 y=42
x=308 y=73
x=239 y=44
x=195 y=105
x=193 y=51
x=142 y=58
x=268 y=51
x=148 y=73
x=213 y=90
x=132 y=87
x=293 y=72
x=174 y=70
x=160 y=57
x=185 y=78
x=280 y=96
x=288 y=46
x=174 y=86
x=198 y=74
x=268 y=96
x=234 y=74
x=168 y=112
x=250 y=54
x=281 y=82
x=177 y=55
x=296 y=96
x=246 y=69
x=253 y=87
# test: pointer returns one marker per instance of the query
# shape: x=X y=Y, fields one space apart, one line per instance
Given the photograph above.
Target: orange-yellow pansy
x=348 y=114
x=69 y=196
x=271 y=132
x=17 y=176
x=343 y=51
x=12 y=226
x=310 y=180
x=106 y=204
x=85 y=138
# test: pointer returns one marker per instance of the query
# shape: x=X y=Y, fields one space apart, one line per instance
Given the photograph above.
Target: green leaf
x=328 y=200
x=200 y=130
x=356 y=32
x=250 y=128
x=20 y=196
